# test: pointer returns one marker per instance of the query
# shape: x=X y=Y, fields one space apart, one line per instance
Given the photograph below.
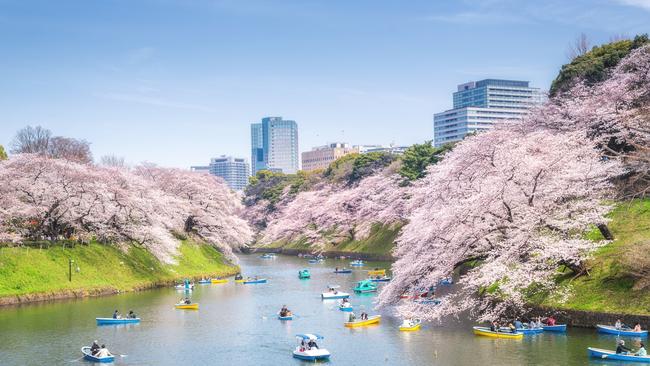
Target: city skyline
x=187 y=78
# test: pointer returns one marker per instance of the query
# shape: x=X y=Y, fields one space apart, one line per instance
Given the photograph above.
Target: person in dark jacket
x=621 y=349
x=94 y=348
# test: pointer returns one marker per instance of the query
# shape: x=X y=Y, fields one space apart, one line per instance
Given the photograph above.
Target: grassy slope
x=607 y=288
x=380 y=241
x=28 y=270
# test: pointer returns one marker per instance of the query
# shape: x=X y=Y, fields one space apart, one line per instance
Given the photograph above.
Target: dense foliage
x=43 y=198
x=3 y=153
x=418 y=157
x=593 y=66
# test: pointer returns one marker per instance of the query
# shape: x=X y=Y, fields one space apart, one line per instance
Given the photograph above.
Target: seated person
x=512 y=328
x=641 y=351
x=103 y=352
x=621 y=349
x=94 y=348
x=618 y=324
x=352 y=317
x=239 y=276
x=518 y=324
x=131 y=315
x=494 y=326
x=637 y=327
x=312 y=344
x=116 y=315
x=364 y=316
x=188 y=301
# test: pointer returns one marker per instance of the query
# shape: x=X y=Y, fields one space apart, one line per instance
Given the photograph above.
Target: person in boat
x=641 y=351
x=94 y=348
x=116 y=315
x=312 y=344
x=621 y=349
x=550 y=321
x=618 y=324
x=637 y=327
x=364 y=316
x=131 y=315
x=103 y=352
x=352 y=317
x=512 y=328
x=284 y=311
x=518 y=324
x=494 y=327
x=186 y=301
x=239 y=276
x=345 y=303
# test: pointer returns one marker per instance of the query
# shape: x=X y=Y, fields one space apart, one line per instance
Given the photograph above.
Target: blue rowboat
x=343 y=270
x=261 y=280
x=380 y=279
x=88 y=356
x=304 y=274
x=446 y=281
x=205 y=281
x=288 y=317
x=554 y=328
x=428 y=301
x=605 y=354
x=107 y=321
x=357 y=263
x=608 y=329
x=345 y=308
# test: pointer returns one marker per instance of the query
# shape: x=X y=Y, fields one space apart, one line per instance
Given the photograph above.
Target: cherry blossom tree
x=45 y=198
x=515 y=203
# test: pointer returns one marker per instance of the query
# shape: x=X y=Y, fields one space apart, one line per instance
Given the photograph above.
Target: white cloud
x=645 y=4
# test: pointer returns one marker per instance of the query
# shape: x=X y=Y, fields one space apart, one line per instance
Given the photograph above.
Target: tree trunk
x=605 y=231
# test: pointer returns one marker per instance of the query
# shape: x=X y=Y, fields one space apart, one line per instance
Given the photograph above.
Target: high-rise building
x=322 y=156
x=274 y=145
x=479 y=104
x=234 y=171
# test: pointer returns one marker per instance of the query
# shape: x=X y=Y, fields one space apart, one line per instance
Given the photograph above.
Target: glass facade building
x=234 y=171
x=479 y=104
x=274 y=145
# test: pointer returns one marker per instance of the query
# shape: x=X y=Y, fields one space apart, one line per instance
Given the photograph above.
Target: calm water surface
x=237 y=325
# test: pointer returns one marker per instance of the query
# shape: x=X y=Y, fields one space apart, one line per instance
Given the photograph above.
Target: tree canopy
x=418 y=157
x=3 y=153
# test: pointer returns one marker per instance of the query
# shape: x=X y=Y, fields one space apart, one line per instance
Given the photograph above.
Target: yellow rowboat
x=486 y=332
x=215 y=280
x=377 y=272
x=194 y=306
x=413 y=328
x=240 y=281
x=362 y=323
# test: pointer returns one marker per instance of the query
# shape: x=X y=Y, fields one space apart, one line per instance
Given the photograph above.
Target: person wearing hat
x=641 y=351
x=621 y=349
x=94 y=348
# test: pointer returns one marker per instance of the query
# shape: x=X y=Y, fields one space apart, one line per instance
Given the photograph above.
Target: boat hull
x=611 y=355
x=410 y=329
x=187 y=306
x=380 y=279
x=345 y=308
x=203 y=282
x=362 y=323
x=239 y=281
x=312 y=355
x=344 y=271
x=290 y=317
x=329 y=296
x=254 y=282
x=377 y=272
x=89 y=357
x=555 y=328
x=606 y=329
x=486 y=332
x=111 y=321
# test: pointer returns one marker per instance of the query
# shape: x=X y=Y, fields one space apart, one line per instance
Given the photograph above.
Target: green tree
x=593 y=66
x=418 y=157
x=3 y=153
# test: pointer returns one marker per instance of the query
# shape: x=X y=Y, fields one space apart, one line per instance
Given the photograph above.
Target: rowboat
x=365 y=286
x=250 y=281
x=241 y=280
x=107 y=321
x=554 y=328
x=357 y=263
x=315 y=261
x=88 y=356
x=362 y=323
x=446 y=281
x=345 y=308
x=333 y=293
x=380 y=279
x=288 y=317
x=486 y=332
x=304 y=274
x=189 y=287
x=206 y=281
x=608 y=329
x=303 y=352
x=219 y=280
x=410 y=326
x=268 y=256
x=377 y=272
x=427 y=301
x=606 y=354
x=343 y=270
x=193 y=306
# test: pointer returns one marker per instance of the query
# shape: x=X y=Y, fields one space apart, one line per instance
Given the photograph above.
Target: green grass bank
x=618 y=280
x=378 y=244
x=33 y=274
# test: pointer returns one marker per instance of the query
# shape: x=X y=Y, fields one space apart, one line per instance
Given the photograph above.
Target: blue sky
x=176 y=82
